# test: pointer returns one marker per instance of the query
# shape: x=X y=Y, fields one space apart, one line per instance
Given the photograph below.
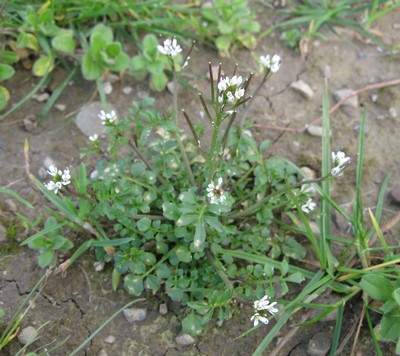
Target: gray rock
x=10 y=205
x=343 y=93
x=41 y=97
x=88 y=120
x=135 y=314
x=103 y=353
x=98 y=266
x=319 y=345
x=303 y=89
x=185 y=340
x=374 y=98
x=48 y=161
x=42 y=173
x=314 y=130
x=110 y=339
x=392 y=112
x=3 y=231
x=60 y=107
x=163 y=308
x=308 y=172
x=29 y=125
x=27 y=335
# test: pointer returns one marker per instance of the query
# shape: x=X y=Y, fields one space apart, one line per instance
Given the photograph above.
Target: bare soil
x=75 y=305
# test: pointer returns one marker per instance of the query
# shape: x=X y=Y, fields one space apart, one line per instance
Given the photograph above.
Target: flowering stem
x=262 y=202
x=79 y=195
x=178 y=137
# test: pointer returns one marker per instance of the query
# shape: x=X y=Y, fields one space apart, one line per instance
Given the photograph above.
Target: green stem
x=178 y=137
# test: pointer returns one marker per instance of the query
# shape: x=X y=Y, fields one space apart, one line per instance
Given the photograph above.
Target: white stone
x=315 y=130
x=110 y=339
x=98 y=266
x=27 y=335
x=60 y=107
x=41 y=97
x=309 y=173
x=303 y=89
x=163 y=308
x=127 y=90
x=343 y=93
x=135 y=314
x=185 y=340
x=392 y=112
x=107 y=88
x=374 y=98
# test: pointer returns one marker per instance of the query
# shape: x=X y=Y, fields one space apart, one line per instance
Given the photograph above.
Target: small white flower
x=229 y=89
x=340 y=162
x=55 y=186
x=94 y=138
x=230 y=97
x=107 y=118
x=170 y=48
x=215 y=192
x=53 y=171
x=256 y=318
x=273 y=64
x=66 y=177
x=309 y=206
x=264 y=304
x=239 y=93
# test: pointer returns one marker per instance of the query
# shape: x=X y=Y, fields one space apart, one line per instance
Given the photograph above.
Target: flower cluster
x=309 y=206
x=107 y=118
x=340 y=162
x=261 y=309
x=230 y=90
x=170 y=48
x=94 y=138
x=60 y=179
x=215 y=192
x=273 y=64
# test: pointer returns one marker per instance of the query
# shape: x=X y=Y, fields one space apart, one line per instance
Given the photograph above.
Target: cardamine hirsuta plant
x=197 y=219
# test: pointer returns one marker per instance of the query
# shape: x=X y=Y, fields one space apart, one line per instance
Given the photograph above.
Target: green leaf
x=115 y=277
x=170 y=211
x=223 y=43
x=158 y=82
x=396 y=295
x=183 y=254
x=2 y=313
x=293 y=249
x=377 y=287
x=390 y=326
x=46 y=258
x=8 y=57
x=192 y=324
x=199 y=236
x=144 y=224
x=296 y=277
x=6 y=71
x=121 y=62
x=163 y=271
x=213 y=222
x=40 y=243
x=27 y=40
x=43 y=66
x=133 y=284
x=91 y=70
x=104 y=32
x=138 y=67
x=152 y=283
x=4 y=97
x=225 y=28
x=64 y=42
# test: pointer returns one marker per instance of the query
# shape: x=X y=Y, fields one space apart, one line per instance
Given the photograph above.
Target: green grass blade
x=372 y=332
x=338 y=328
x=16 y=196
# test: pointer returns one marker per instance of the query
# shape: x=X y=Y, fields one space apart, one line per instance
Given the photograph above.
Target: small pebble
x=308 y=172
x=185 y=340
x=127 y=90
x=98 y=266
x=29 y=125
x=163 y=308
x=319 y=345
x=47 y=162
x=27 y=334
x=11 y=206
x=41 y=97
x=42 y=173
x=103 y=353
x=374 y=98
x=60 y=107
x=110 y=339
x=315 y=130
x=343 y=93
x=107 y=88
x=94 y=174
x=327 y=72
x=170 y=87
x=3 y=231
x=135 y=314
x=392 y=112
x=303 y=89
x=396 y=26
x=380 y=117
